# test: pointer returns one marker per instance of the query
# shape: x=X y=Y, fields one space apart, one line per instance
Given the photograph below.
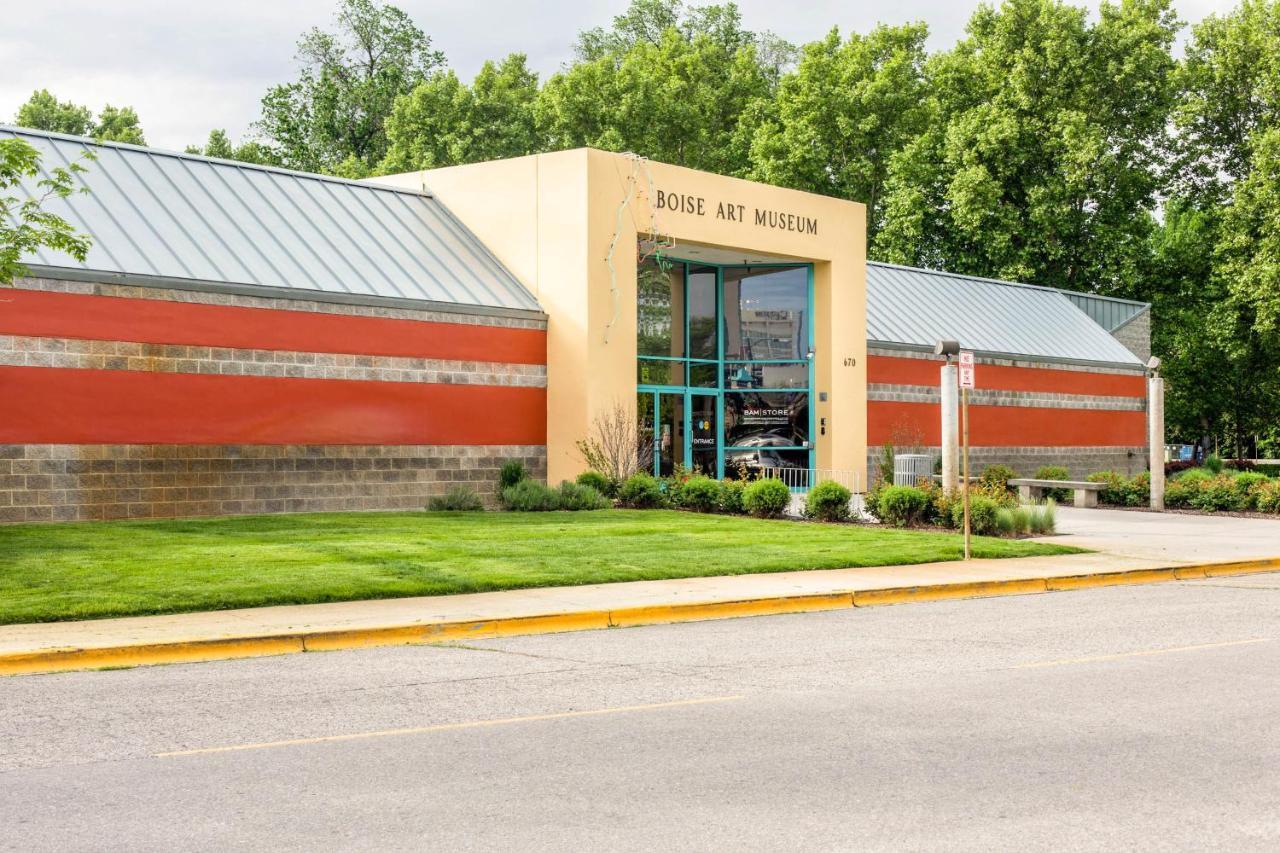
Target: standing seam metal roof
x=181 y=217
x=917 y=308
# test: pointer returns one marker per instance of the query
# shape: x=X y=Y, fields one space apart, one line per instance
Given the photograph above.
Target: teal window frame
x=720 y=362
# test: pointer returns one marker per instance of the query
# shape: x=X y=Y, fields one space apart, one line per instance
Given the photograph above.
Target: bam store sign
x=695 y=205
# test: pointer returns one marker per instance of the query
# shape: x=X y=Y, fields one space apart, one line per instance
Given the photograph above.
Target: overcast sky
x=188 y=67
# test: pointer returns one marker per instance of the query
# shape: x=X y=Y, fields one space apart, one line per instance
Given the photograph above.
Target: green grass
x=93 y=570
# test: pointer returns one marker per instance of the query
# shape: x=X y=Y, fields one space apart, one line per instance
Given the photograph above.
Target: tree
x=219 y=145
x=443 y=122
x=119 y=125
x=332 y=118
x=1042 y=161
x=842 y=115
x=25 y=225
x=676 y=92
x=43 y=111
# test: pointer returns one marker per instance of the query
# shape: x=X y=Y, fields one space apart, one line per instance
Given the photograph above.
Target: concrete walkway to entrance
x=1131 y=547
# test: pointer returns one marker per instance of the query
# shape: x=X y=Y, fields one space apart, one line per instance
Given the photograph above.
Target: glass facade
x=725 y=366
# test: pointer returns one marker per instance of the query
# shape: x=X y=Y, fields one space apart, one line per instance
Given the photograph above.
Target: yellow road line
x=1143 y=653
x=445 y=727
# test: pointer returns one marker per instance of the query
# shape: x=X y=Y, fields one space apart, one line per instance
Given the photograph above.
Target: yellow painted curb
x=1112 y=579
x=632 y=616
x=941 y=592
x=64 y=659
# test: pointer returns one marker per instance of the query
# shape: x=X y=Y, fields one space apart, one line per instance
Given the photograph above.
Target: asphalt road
x=1125 y=718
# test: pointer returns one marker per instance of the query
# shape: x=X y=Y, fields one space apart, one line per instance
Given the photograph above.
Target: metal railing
x=801 y=480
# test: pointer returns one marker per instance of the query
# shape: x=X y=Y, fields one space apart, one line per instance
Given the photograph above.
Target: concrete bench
x=1086 y=494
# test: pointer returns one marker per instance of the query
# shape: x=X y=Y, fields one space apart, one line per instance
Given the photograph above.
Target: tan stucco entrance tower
x=567 y=225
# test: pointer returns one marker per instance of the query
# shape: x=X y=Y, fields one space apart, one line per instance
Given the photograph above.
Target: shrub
x=597 y=481
x=1244 y=484
x=1195 y=475
x=1113 y=487
x=512 y=472
x=828 y=501
x=530 y=496
x=1177 y=467
x=1266 y=496
x=457 y=499
x=982 y=515
x=1044 y=518
x=1177 y=493
x=1054 y=472
x=1213 y=463
x=1137 y=492
x=575 y=497
x=1010 y=521
x=766 y=498
x=730 y=497
x=1241 y=464
x=902 y=506
x=1214 y=493
x=641 y=491
x=700 y=494
x=998 y=475
x=872 y=498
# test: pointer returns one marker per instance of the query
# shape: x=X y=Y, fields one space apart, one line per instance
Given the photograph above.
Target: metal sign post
x=967 y=381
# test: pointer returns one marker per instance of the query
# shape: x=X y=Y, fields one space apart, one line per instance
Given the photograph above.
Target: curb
x=193 y=651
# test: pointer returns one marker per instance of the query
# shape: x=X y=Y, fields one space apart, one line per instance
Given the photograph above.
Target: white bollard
x=950 y=388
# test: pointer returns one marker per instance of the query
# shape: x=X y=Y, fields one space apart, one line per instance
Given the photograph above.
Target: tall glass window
x=725 y=366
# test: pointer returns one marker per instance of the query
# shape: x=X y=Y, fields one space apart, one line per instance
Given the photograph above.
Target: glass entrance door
x=672 y=433
x=704 y=432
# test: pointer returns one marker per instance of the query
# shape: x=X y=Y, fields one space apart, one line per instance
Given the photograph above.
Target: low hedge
x=828 y=501
x=767 y=498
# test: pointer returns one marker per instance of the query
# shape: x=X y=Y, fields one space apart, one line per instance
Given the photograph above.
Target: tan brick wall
x=81 y=482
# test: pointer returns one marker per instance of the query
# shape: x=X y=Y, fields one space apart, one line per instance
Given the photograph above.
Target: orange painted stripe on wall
x=154 y=321
x=1007 y=426
x=63 y=406
x=893 y=370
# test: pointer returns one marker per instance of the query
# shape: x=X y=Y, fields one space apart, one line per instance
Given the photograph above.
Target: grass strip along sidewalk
x=128 y=568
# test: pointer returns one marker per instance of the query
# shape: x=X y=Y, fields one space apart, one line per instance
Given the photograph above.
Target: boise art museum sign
x=696 y=205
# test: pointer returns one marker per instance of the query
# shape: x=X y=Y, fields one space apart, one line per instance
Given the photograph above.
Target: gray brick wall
x=1079 y=461
x=1136 y=335
x=50 y=482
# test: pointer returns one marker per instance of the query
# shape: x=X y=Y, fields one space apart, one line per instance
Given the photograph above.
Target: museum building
x=245 y=339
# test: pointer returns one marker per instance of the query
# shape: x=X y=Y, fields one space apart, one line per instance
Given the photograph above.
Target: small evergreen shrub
x=511 y=472
x=595 y=480
x=641 y=491
x=1266 y=496
x=1214 y=494
x=1113 y=487
x=1177 y=494
x=766 y=498
x=1243 y=485
x=998 y=476
x=1137 y=492
x=828 y=501
x=903 y=506
x=530 y=496
x=1054 y=472
x=730 y=498
x=982 y=515
x=700 y=494
x=575 y=497
x=457 y=499
x=1213 y=463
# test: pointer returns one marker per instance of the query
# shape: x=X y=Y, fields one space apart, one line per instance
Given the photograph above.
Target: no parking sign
x=967 y=372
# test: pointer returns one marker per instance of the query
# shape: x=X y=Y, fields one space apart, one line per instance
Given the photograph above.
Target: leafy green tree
x=333 y=117
x=25 y=225
x=119 y=124
x=220 y=145
x=43 y=111
x=443 y=122
x=1042 y=162
x=843 y=114
x=666 y=83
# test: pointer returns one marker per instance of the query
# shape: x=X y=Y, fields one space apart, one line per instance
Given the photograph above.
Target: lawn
x=93 y=570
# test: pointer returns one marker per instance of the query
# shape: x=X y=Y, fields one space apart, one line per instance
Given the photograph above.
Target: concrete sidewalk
x=1131 y=548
